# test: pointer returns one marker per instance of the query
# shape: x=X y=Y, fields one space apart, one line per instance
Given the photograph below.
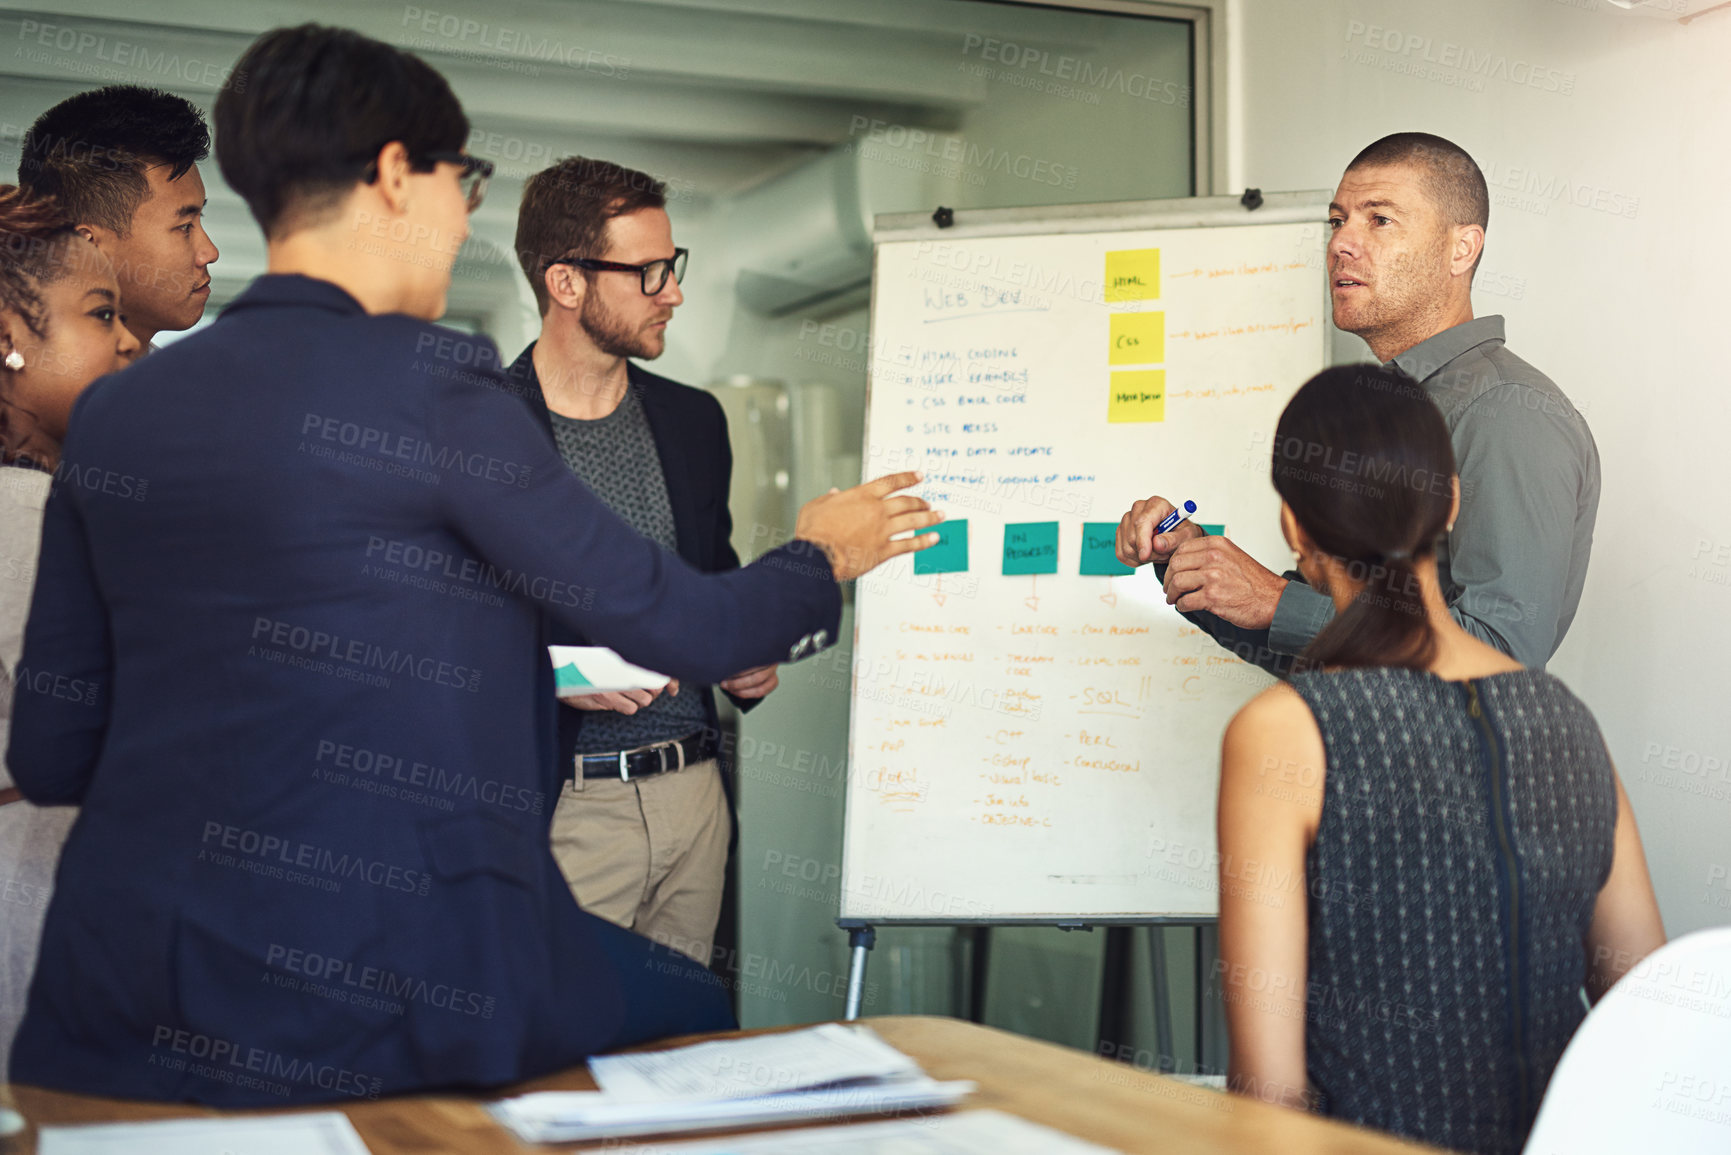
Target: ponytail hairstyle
x=1362 y=457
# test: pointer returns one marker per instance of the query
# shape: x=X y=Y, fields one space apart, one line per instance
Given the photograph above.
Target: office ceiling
x=714 y=96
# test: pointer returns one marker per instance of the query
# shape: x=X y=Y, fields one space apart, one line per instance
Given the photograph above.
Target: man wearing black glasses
x=642 y=825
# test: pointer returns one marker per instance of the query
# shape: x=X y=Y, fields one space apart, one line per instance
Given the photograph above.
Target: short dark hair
x=1448 y=173
x=1362 y=457
x=566 y=208
x=311 y=106
x=89 y=152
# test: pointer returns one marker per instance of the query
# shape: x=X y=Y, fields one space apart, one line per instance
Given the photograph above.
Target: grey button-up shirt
x=1513 y=568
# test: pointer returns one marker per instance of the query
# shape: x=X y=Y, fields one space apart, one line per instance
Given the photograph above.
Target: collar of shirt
x=1431 y=354
x=274 y=290
x=522 y=372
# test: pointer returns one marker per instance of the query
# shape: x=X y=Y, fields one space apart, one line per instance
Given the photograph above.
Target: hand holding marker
x=1172 y=520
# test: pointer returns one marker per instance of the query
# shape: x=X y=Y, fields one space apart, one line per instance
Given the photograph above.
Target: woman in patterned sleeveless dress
x=1426 y=855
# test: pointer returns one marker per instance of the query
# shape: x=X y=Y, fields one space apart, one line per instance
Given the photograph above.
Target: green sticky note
x=568 y=679
x=1212 y=530
x=950 y=555
x=1100 y=550
x=1031 y=547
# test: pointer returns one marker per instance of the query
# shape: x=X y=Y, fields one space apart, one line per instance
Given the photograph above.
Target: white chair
x=1650 y=1069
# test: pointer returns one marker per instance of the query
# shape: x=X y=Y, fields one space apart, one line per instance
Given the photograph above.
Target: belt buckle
x=679 y=745
x=624 y=768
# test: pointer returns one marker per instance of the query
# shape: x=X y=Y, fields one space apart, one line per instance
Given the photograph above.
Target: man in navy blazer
x=292 y=674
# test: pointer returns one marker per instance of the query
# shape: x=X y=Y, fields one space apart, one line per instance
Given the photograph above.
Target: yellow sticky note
x=1133 y=275
x=1138 y=338
x=1138 y=395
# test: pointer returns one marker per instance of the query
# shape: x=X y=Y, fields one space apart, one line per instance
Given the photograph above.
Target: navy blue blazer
x=690 y=432
x=285 y=654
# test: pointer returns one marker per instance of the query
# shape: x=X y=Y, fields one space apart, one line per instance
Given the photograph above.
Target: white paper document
x=828 y=1056
x=569 y=1116
x=323 y=1133
x=598 y=670
x=816 y=1075
x=969 y=1133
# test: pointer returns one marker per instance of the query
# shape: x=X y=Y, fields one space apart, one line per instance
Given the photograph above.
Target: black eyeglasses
x=472 y=180
x=474 y=177
x=653 y=275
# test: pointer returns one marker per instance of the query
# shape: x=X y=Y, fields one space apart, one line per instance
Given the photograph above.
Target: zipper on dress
x=1496 y=769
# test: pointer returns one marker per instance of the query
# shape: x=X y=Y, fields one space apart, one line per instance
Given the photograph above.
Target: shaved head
x=1447 y=174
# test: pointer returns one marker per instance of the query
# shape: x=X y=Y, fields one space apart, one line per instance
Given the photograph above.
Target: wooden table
x=1108 y=1103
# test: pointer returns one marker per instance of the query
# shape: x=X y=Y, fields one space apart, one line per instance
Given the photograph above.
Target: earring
x=1449 y=528
x=14 y=361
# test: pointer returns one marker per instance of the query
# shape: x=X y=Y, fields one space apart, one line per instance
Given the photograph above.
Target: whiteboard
x=1029 y=741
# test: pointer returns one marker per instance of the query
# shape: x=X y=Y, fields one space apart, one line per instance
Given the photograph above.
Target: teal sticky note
x=1031 y=547
x=1100 y=550
x=1212 y=530
x=950 y=555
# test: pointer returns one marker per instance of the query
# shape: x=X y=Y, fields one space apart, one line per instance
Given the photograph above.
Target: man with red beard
x=1408 y=223
x=642 y=825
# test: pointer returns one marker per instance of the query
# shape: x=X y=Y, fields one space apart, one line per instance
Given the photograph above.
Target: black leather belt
x=645 y=761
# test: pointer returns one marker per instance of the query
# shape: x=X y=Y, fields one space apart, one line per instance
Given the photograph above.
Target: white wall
x=1608 y=246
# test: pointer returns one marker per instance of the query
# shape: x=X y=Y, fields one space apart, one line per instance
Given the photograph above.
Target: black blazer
x=286 y=651
x=690 y=432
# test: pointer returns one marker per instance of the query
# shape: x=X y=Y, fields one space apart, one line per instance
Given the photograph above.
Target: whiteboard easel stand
x=1115 y=969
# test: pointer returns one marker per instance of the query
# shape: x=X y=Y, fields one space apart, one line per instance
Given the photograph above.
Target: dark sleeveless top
x=1466 y=832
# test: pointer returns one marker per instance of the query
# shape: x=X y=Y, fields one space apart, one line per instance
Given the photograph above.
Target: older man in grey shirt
x=1408 y=221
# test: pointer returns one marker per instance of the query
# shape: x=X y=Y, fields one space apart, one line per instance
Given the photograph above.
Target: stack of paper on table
x=826 y=1072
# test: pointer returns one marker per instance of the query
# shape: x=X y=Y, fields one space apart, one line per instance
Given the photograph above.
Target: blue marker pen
x=1172 y=520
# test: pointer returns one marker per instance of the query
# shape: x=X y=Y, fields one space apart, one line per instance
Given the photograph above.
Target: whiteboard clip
x=1252 y=199
x=944 y=217
x=1074 y=926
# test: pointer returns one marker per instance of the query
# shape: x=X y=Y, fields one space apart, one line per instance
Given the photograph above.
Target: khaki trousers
x=648 y=854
